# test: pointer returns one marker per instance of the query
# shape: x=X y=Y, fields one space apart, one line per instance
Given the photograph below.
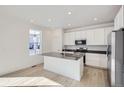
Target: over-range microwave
x=80 y=42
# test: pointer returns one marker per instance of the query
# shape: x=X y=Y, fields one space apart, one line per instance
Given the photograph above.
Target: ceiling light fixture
x=69 y=13
x=95 y=19
x=49 y=20
x=31 y=20
x=69 y=24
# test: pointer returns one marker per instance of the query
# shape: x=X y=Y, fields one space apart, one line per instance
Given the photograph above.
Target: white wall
x=52 y=40
x=14 y=36
x=57 y=40
x=47 y=41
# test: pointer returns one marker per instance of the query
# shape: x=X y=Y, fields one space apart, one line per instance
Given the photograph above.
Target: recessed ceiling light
x=69 y=24
x=95 y=19
x=31 y=20
x=49 y=20
x=69 y=13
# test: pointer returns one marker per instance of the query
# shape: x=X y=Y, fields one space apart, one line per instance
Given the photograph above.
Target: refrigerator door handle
x=107 y=52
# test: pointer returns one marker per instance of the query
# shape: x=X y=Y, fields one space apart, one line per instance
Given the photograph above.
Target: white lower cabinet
x=103 y=60
x=96 y=60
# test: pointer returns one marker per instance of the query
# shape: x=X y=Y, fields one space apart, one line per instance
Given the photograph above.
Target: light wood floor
x=93 y=77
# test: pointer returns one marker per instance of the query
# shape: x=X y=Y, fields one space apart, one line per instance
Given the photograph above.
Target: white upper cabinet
x=90 y=37
x=119 y=19
x=69 y=38
x=95 y=37
x=79 y=35
x=107 y=30
x=99 y=36
x=66 y=37
x=83 y=34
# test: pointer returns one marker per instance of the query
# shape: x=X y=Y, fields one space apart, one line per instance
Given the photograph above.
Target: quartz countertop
x=69 y=56
x=86 y=51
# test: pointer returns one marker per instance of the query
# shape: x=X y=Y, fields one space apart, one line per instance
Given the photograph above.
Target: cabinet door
x=83 y=34
x=90 y=37
x=66 y=39
x=78 y=35
x=107 y=30
x=69 y=38
x=92 y=59
x=95 y=37
x=103 y=61
x=99 y=36
x=96 y=60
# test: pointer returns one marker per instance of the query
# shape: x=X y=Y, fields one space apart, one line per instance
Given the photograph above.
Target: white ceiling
x=57 y=16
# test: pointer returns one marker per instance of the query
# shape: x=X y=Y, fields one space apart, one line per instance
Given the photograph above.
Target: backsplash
x=89 y=47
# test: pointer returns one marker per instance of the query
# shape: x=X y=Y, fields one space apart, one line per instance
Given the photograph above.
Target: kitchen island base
x=69 y=68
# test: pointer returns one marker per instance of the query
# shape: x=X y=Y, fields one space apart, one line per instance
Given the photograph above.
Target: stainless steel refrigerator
x=115 y=54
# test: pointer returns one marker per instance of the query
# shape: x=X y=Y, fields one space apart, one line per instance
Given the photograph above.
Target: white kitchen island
x=68 y=65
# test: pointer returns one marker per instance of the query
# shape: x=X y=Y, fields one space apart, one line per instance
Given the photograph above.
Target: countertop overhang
x=64 y=56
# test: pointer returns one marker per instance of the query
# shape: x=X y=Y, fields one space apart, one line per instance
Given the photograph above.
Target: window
x=34 y=42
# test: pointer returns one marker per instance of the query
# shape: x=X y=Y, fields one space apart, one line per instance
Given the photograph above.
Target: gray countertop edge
x=59 y=55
